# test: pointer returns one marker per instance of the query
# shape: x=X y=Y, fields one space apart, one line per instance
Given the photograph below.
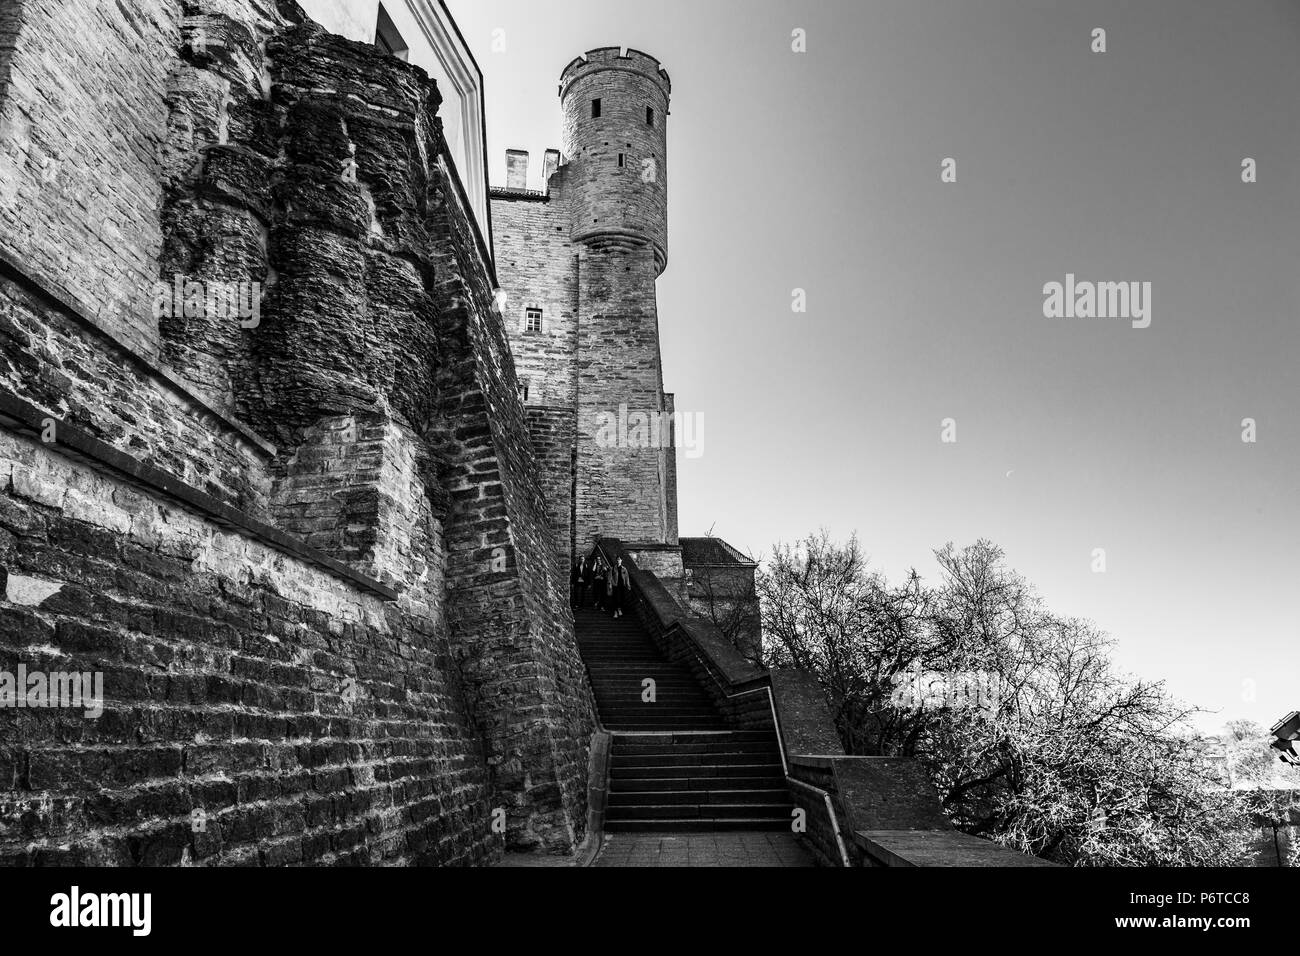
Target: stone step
x=695 y=784
x=707 y=737
x=695 y=825
x=669 y=723
x=615 y=726
x=632 y=667
x=632 y=798
x=627 y=761
x=633 y=699
x=635 y=668
x=634 y=680
x=714 y=771
x=635 y=708
x=655 y=713
x=767 y=748
x=616 y=693
x=628 y=664
x=628 y=702
x=766 y=811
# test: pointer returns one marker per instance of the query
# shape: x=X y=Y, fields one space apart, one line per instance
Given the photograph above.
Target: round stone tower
x=616 y=139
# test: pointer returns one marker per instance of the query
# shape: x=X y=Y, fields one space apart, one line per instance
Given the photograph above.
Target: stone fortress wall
x=308 y=551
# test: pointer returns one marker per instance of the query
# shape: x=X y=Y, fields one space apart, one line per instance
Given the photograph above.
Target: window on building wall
x=622 y=160
x=533 y=320
x=523 y=390
x=595 y=108
x=649 y=116
x=388 y=39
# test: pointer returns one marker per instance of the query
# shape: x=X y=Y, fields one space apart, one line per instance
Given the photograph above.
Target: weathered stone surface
x=371 y=411
x=306 y=720
x=509 y=611
x=82 y=121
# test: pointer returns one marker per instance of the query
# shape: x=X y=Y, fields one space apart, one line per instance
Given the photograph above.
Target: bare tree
x=824 y=612
x=733 y=610
x=1069 y=760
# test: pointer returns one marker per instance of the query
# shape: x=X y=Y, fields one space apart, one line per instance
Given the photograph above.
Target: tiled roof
x=504 y=192
x=699 y=551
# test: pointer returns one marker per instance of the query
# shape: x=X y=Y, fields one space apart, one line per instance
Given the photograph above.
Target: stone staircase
x=674 y=765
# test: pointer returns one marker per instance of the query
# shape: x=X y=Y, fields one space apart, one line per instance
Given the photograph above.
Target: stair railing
x=612 y=550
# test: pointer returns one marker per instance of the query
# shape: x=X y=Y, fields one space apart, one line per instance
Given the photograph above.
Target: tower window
x=523 y=390
x=649 y=116
x=622 y=160
x=533 y=320
x=595 y=108
x=388 y=39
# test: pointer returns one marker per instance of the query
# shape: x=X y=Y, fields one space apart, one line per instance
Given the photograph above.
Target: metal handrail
x=766 y=685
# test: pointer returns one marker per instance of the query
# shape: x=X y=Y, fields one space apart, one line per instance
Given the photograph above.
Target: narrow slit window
x=622 y=160
x=595 y=109
x=523 y=390
x=649 y=116
x=533 y=320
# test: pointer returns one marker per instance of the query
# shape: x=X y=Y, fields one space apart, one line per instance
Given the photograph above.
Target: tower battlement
x=615 y=138
x=608 y=58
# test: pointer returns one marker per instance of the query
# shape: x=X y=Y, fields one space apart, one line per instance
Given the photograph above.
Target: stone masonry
x=583 y=256
x=308 y=549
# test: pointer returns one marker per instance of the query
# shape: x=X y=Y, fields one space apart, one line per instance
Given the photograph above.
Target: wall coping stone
x=939 y=848
x=803 y=716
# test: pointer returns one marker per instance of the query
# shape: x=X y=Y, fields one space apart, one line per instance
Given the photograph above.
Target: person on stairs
x=622 y=583
x=599 y=583
x=577 y=584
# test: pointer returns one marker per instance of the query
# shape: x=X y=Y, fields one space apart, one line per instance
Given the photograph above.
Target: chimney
x=549 y=165
x=516 y=169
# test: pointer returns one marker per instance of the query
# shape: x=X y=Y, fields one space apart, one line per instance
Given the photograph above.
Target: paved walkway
x=738 y=848
x=730 y=848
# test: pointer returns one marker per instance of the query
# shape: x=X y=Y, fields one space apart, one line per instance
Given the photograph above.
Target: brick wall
x=69 y=369
x=552 y=434
x=509 y=614
x=538 y=268
x=82 y=122
x=369 y=711
x=307 y=720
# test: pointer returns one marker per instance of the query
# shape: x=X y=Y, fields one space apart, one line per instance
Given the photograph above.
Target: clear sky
x=821 y=170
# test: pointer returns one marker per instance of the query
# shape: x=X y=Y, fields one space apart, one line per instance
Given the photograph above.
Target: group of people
x=610 y=587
